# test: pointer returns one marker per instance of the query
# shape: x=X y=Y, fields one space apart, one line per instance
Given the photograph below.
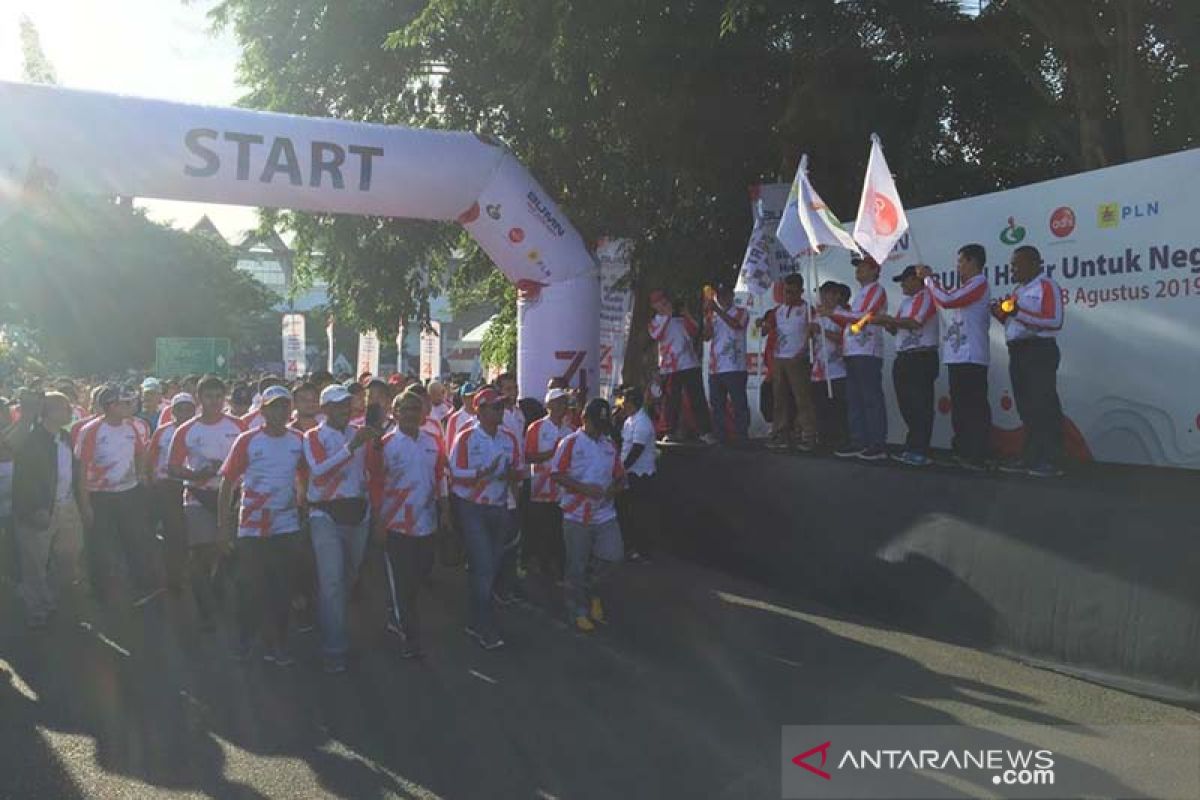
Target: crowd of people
x=272 y=493
x=824 y=363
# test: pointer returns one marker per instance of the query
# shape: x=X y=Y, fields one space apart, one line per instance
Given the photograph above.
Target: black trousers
x=832 y=428
x=543 y=543
x=637 y=513
x=120 y=529
x=969 y=411
x=411 y=559
x=690 y=381
x=168 y=515
x=1033 y=369
x=913 y=374
x=265 y=570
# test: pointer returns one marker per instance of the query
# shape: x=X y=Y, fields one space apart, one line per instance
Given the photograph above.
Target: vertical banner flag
x=400 y=347
x=766 y=259
x=329 y=339
x=368 y=353
x=808 y=224
x=431 y=351
x=294 y=361
x=616 y=309
x=881 y=219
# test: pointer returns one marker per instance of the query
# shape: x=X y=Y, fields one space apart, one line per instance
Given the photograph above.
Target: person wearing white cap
x=166 y=491
x=265 y=462
x=151 y=402
x=337 y=502
x=543 y=518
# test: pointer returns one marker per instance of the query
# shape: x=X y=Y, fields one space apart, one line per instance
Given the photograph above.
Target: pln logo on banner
x=1111 y=215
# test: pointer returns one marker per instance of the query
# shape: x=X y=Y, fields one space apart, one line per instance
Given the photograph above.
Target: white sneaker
x=708 y=438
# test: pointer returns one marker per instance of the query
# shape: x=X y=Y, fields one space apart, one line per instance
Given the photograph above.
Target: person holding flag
x=789 y=322
x=915 y=369
x=725 y=329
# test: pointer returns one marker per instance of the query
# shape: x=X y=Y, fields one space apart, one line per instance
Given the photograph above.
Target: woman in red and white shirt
x=679 y=366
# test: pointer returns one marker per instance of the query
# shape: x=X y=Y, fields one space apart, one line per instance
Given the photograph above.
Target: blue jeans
x=731 y=385
x=864 y=401
x=486 y=530
x=338 y=550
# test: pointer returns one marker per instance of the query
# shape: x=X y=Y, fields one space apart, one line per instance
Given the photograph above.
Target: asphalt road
x=683 y=695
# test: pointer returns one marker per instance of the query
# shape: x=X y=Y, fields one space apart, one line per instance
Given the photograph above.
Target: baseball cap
x=466 y=389
x=909 y=272
x=274 y=393
x=556 y=393
x=183 y=397
x=487 y=396
x=151 y=385
x=334 y=393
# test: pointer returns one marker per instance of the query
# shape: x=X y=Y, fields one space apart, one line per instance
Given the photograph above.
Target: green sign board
x=176 y=357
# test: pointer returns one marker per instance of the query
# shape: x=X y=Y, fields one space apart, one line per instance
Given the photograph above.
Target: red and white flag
x=881 y=220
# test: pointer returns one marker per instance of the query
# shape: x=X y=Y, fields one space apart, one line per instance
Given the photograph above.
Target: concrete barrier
x=1098 y=573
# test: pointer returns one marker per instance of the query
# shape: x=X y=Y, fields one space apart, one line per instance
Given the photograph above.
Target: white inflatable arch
x=91 y=142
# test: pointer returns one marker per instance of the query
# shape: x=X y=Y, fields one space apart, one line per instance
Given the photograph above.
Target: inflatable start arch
x=91 y=142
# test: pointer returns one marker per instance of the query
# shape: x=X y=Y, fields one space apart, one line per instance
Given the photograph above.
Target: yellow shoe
x=584 y=625
x=597 y=611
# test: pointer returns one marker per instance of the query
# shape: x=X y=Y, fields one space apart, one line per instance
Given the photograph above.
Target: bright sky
x=150 y=48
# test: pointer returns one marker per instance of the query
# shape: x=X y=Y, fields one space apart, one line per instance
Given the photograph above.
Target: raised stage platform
x=1097 y=573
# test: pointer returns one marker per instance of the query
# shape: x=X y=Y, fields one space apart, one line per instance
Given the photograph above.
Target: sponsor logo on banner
x=1013 y=234
x=541 y=210
x=1111 y=215
x=493 y=211
x=1062 y=222
x=516 y=235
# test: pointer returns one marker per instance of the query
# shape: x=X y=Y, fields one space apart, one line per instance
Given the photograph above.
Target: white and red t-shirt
x=921 y=308
x=475 y=450
x=676 y=349
x=869 y=299
x=727 y=349
x=197 y=444
x=431 y=427
x=514 y=423
x=1039 y=312
x=827 y=355
x=408 y=476
x=587 y=460
x=441 y=410
x=541 y=437
x=791 y=330
x=75 y=429
x=268 y=467
x=335 y=471
x=965 y=335
x=109 y=454
x=457 y=422
x=160 y=451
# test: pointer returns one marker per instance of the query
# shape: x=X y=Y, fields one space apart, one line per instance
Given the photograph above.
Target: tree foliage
x=98 y=282
x=648 y=119
x=36 y=68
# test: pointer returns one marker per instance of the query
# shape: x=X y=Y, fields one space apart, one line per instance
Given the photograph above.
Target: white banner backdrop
x=431 y=352
x=295 y=362
x=78 y=141
x=765 y=259
x=1123 y=244
x=616 y=310
x=368 y=353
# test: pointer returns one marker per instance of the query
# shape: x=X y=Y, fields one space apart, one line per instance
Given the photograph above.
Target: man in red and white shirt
x=167 y=492
x=463 y=418
x=678 y=366
x=788 y=325
x=543 y=519
x=588 y=467
x=265 y=462
x=409 y=500
x=725 y=331
x=965 y=352
x=337 y=500
x=442 y=407
x=915 y=369
x=485 y=469
x=1032 y=319
x=198 y=449
x=112 y=454
x=829 y=369
x=862 y=349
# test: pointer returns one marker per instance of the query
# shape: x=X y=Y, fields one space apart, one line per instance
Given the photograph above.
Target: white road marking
x=483 y=677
